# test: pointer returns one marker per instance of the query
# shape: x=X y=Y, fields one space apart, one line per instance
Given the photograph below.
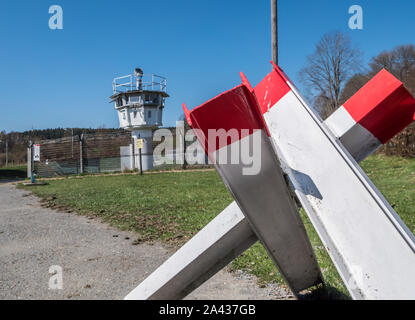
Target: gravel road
x=97 y=261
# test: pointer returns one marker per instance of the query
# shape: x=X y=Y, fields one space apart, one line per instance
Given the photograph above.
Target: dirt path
x=98 y=261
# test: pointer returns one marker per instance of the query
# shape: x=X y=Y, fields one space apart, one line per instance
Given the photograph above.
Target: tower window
x=149 y=113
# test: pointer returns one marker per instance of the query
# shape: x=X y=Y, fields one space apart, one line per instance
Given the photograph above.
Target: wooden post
x=274 y=30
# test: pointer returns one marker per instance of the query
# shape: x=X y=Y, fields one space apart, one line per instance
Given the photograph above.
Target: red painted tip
x=245 y=81
x=187 y=114
x=235 y=110
x=271 y=89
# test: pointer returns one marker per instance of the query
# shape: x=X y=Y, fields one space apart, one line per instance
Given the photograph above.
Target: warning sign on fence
x=36 y=152
x=139 y=143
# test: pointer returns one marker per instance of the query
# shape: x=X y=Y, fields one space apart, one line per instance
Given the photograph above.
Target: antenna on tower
x=138 y=72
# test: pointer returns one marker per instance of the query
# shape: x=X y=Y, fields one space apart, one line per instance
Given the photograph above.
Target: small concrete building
x=139 y=100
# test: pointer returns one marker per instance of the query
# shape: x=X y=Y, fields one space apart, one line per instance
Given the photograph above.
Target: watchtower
x=139 y=100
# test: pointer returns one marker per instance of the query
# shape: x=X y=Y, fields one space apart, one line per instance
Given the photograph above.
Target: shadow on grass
x=324 y=293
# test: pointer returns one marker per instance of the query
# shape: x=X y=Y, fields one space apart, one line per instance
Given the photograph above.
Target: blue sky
x=62 y=78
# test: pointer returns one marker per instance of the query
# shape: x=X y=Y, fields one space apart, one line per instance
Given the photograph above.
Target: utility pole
x=274 y=30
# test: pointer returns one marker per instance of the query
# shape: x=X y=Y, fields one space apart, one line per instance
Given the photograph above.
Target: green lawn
x=174 y=206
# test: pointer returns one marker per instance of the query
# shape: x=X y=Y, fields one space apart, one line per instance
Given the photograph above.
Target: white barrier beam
x=223 y=239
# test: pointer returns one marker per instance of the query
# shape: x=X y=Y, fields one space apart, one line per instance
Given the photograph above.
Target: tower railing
x=132 y=82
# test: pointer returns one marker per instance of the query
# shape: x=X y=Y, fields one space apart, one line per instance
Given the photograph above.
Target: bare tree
x=326 y=71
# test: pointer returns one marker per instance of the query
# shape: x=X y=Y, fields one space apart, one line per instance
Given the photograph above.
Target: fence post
x=72 y=141
x=132 y=154
x=81 y=162
x=184 y=148
x=29 y=160
x=141 y=161
x=180 y=144
x=7 y=151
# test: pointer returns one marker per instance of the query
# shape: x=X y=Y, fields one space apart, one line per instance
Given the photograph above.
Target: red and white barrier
x=262 y=194
x=229 y=234
x=371 y=247
x=375 y=114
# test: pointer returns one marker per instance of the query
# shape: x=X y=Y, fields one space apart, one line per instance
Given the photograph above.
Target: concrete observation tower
x=139 y=100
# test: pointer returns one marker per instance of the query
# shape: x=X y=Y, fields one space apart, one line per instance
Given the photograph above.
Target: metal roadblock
x=229 y=234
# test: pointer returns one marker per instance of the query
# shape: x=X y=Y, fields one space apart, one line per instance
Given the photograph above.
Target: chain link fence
x=101 y=153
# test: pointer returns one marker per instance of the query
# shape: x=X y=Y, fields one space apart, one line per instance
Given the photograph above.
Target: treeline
x=46 y=134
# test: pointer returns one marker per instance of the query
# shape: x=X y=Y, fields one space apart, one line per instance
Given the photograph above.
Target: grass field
x=174 y=206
